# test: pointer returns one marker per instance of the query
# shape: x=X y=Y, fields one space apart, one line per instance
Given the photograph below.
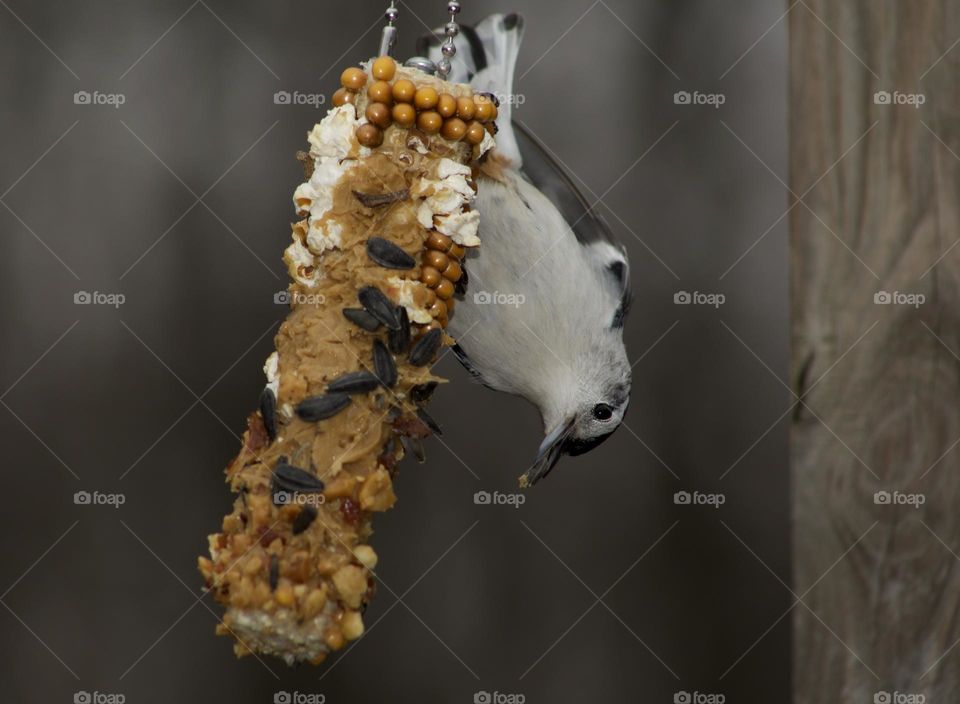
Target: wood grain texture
x=884 y=591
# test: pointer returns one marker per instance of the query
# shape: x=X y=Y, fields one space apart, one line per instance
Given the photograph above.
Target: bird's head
x=583 y=409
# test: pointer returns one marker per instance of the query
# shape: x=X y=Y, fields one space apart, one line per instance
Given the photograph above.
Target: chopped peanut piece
x=377 y=492
x=352 y=625
x=351 y=583
x=315 y=602
x=366 y=556
x=284 y=595
x=344 y=484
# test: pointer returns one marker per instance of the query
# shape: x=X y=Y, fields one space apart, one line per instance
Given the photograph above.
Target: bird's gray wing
x=551 y=179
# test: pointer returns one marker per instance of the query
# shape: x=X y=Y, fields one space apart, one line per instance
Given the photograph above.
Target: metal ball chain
x=449 y=49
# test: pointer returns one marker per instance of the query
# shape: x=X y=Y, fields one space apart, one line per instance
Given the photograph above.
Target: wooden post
x=880 y=382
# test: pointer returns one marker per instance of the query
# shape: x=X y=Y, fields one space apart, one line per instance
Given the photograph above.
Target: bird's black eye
x=602 y=412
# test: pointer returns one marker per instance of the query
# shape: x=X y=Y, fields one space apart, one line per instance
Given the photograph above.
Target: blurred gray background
x=600 y=587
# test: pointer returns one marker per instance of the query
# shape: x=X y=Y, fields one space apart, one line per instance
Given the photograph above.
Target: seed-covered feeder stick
x=385 y=220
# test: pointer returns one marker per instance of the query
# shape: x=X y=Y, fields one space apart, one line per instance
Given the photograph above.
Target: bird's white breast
x=535 y=301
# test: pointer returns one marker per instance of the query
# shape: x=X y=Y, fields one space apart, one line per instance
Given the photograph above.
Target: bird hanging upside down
x=547 y=328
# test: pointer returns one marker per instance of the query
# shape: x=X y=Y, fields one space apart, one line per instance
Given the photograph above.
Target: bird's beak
x=548 y=454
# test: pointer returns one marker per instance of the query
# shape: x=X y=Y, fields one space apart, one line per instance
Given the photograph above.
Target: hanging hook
x=388 y=38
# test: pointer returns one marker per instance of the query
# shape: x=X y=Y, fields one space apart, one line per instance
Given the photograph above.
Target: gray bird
x=549 y=286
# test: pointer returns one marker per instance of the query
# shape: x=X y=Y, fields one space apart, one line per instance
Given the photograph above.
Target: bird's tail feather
x=486 y=59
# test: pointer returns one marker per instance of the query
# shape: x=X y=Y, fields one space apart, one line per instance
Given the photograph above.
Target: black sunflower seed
x=421 y=393
x=387 y=254
x=509 y=22
x=373 y=200
x=429 y=421
x=461 y=286
x=414 y=447
x=303 y=520
x=383 y=364
x=399 y=340
x=354 y=383
x=268 y=410
x=288 y=478
x=322 y=407
x=274 y=572
x=376 y=303
x=361 y=318
x=425 y=349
